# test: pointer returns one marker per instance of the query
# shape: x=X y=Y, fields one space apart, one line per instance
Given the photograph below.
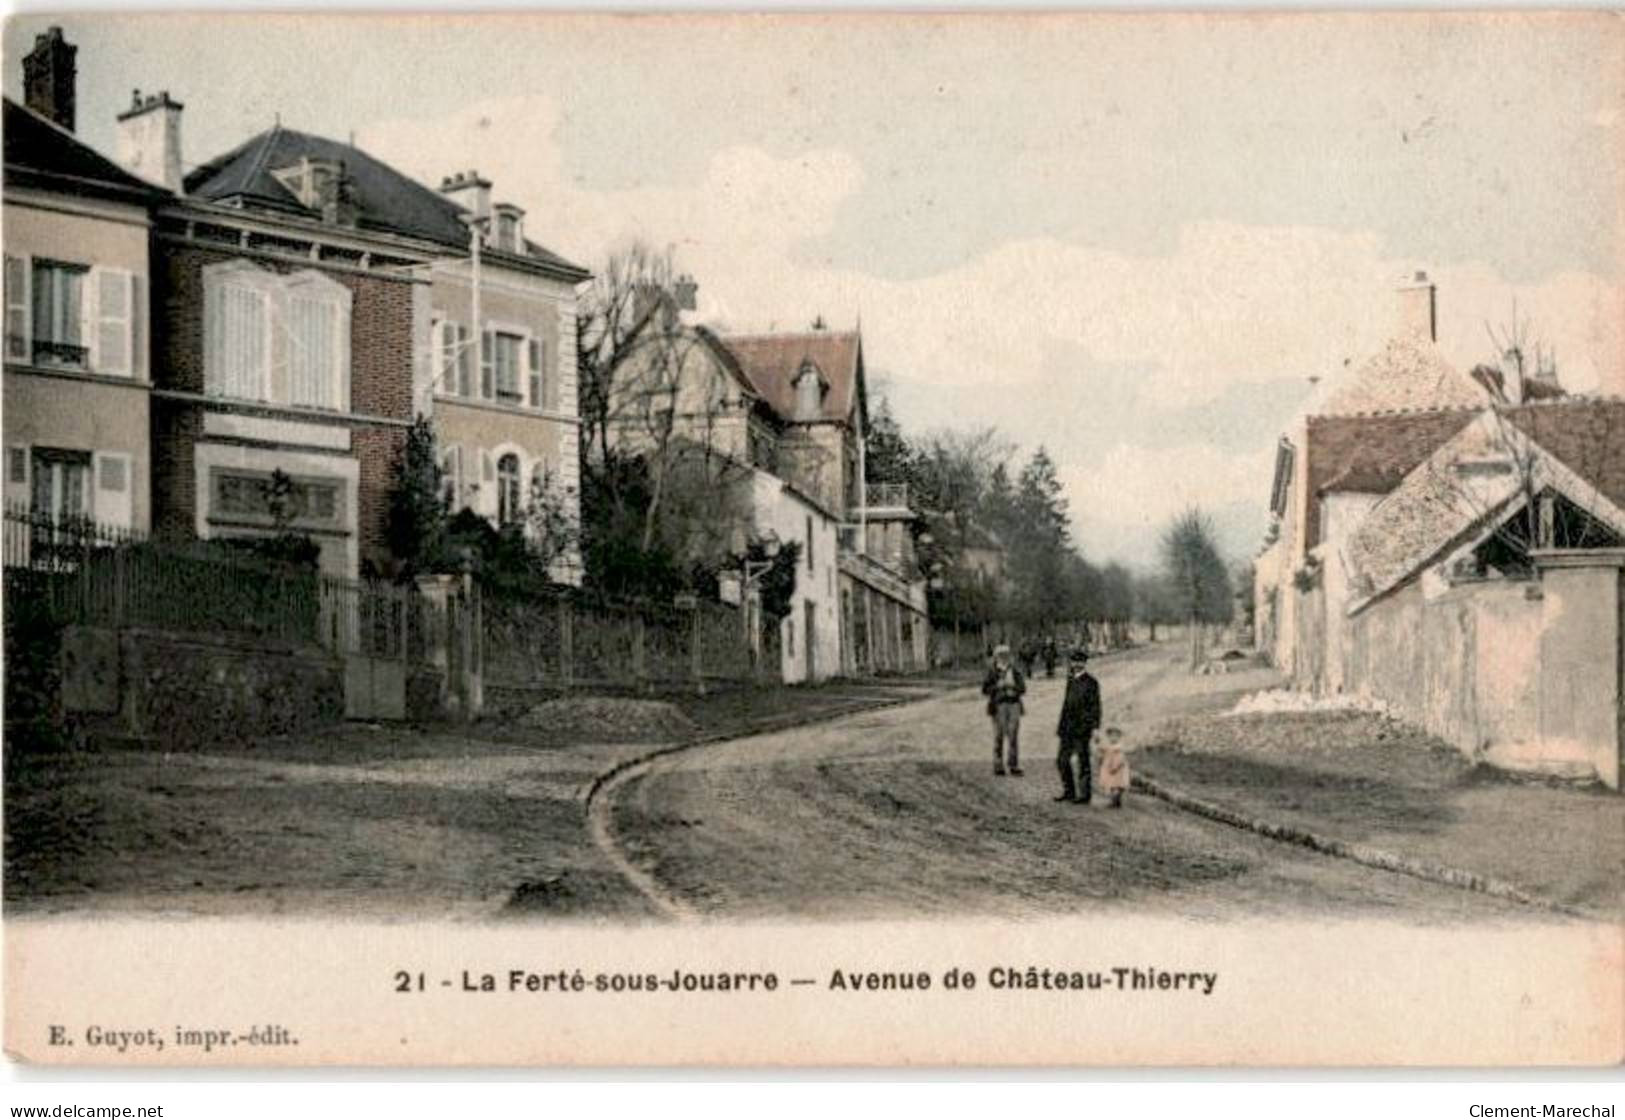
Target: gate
x=382 y=632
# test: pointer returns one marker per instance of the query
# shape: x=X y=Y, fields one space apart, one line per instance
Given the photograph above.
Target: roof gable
x=1408 y=373
x=1474 y=478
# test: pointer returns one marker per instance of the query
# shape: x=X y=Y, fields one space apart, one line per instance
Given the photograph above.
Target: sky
x=1134 y=240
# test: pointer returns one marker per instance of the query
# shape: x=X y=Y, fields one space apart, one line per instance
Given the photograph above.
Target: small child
x=1113 y=767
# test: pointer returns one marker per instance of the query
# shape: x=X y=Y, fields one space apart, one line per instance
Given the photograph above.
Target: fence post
x=638 y=649
x=696 y=653
x=567 y=651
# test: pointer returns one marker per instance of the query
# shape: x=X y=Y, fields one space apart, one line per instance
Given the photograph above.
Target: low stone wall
x=188 y=691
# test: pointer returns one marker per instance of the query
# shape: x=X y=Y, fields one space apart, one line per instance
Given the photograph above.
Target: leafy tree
x=417 y=502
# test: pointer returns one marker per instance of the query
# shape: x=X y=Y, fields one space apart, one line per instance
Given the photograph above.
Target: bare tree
x=623 y=293
x=1196 y=575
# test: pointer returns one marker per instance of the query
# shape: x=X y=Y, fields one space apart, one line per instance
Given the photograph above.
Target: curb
x=601 y=829
x=1364 y=854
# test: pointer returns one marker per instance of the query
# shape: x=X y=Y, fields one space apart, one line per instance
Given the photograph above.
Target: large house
x=788 y=410
x=503 y=375
x=77 y=367
x=310 y=302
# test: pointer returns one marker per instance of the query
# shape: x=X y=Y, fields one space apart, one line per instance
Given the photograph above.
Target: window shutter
x=90 y=335
x=115 y=487
x=487 y=364
x=534 y=355
x=488 y=483
x=107 y=305
x=440 y=351
x=18 y=493
x=18 y=315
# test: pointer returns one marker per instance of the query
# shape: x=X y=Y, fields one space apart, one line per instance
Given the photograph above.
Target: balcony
x=886 y=496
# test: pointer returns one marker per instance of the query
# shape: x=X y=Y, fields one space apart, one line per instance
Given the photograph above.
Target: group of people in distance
x=1004 y=686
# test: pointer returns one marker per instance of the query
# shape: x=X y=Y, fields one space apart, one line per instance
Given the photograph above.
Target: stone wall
x=189 y=691
x=1522 y=675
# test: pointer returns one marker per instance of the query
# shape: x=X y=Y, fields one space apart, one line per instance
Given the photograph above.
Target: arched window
x=509 y=497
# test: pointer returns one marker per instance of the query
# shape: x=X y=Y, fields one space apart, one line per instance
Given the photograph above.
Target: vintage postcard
x=823 y=539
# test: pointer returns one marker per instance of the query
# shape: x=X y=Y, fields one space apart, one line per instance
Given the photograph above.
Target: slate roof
x=771 y=361
x=389 y=201
x=1408 y=373
x=42 y=153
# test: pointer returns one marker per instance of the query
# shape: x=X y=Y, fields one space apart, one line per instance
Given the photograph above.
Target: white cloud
x=1229 y=304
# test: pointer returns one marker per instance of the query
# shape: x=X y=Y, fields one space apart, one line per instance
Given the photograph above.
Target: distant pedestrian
x=1027 y=653
x=1114 y=776
x=1080 y=716
x=1050 y=656
x=1004 y=686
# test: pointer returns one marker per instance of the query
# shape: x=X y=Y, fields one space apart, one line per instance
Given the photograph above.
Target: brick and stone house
x=77 y=365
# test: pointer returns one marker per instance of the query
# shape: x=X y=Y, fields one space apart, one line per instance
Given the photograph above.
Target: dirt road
x=897 y=813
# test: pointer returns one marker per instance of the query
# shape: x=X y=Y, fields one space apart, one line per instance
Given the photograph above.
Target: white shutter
x=437 y=355
x=89 y=323
x=138 y=327
x=19 y=317
x=108 y=310
x=488 y=483
x=115 y=486
x=460 y=498
x=18 y=493
x=488 y=348
x=535 y=353
x=313 y=360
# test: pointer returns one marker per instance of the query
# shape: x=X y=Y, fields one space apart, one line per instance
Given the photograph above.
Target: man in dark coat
x=1080 y=716
x=1004 y=686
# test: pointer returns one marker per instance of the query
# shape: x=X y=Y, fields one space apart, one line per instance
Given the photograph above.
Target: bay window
x=275 y=338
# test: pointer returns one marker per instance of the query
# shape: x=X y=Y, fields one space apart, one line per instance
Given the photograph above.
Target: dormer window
x=310 y=180
x=810 y=387
x=508 y=235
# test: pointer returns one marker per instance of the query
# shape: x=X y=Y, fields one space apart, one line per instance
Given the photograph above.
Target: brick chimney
x=149 y=139
x=48 y=77
x=1418 y=309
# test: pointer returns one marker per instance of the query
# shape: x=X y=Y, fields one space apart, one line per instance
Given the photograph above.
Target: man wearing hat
x=1080 y=716
x=1004 y=686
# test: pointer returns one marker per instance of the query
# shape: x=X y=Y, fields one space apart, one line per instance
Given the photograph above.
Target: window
x=451 y=478
x=509 y=505
x=264 y=498
x=313 y=351
x=58 y=293
x=508 y=233
x=507 y=367
x=61 y=484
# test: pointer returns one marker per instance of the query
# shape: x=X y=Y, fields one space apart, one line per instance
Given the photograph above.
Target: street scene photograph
x=643 y=471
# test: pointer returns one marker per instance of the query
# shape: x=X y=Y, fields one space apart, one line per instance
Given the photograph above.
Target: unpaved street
x=896 y=813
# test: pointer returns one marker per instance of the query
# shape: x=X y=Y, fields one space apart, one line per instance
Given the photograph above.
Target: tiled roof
x=1586 y=434
x=388 y=200
x=1408 y=373
x=1371 y=453
x=37 y=148
x=1435 y=506
x=771 y=361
